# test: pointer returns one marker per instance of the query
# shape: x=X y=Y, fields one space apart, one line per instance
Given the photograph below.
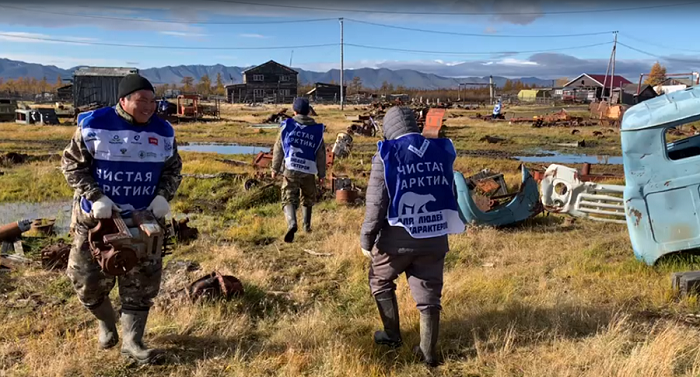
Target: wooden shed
x=98 y=85
x=323 y=92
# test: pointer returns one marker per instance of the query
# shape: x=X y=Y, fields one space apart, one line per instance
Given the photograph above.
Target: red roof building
x=589 y=86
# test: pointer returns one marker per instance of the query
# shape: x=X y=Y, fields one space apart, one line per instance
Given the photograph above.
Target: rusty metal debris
x=118 y=244
x=43 y=226
x=492 y=139
x=363 y=125
x=277 y=117
x=434 y=120
x=182 y=231
x=12 y=231
x=343 y=145
x=55 y=256
x=215 y=285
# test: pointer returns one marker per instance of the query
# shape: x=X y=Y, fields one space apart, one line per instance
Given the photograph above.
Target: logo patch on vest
x=153 y=140
x=420 y=152
x=116 y=139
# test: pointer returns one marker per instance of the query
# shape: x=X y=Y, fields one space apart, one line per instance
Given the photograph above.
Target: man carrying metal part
x=301 y=147
x=121 y=159
x=411 y=208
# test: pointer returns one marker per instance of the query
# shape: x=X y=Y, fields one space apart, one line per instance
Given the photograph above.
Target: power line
x=658 y=45
x=165 y=47
x=658 y=56
x=480 y=35
x=167 y=21
x=476 y=53
x=302 y=7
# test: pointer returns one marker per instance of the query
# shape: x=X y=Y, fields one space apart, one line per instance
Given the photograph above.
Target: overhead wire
x=10 y=35
x=131 y=19
x=695 y=61
x=479 y=34
x=657 y=45
x=453 y=13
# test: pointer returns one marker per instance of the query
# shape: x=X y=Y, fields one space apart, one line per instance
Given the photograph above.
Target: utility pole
x=612 y=74
x=341 y=64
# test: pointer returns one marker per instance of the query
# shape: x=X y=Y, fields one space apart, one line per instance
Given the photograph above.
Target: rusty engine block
x=119 y=244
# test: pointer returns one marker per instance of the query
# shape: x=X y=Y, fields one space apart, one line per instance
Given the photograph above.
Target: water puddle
x=223 y=148
x=61 y=211
x=561 y=158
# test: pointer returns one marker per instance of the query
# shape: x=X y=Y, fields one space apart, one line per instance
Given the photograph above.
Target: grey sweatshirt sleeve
x=377 y=205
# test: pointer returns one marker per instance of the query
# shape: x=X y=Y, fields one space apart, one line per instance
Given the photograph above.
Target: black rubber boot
x=290 y=213
x=429 y=328
x=107 y=324
x=389 y=312
x=306 y=212
x=133 y=326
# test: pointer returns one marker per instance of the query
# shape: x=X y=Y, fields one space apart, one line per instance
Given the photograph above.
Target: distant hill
x=371 y=78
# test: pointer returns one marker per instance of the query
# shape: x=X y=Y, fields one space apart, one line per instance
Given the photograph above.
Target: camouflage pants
x=291 y=186
x=137 y=288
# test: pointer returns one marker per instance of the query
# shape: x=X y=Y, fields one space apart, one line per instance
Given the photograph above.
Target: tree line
x=204 y=86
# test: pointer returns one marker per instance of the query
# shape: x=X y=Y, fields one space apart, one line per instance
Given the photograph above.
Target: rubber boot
x=429 y=327
x=133 y=326
x=290 y=212
x=306 y=211
x=107 y=324
x=389 y=313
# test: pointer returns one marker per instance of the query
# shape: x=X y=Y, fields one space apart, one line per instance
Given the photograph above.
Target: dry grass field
x=543 y=298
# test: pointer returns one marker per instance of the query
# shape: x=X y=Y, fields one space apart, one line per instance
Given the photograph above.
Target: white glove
x=102 y=208
x=367 y=253
x=159 y=206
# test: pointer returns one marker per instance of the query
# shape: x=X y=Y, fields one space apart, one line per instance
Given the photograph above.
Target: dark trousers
x=424 y=274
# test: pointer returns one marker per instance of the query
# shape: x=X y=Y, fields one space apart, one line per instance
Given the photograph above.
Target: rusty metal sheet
x=433 y=123
x=262 y=160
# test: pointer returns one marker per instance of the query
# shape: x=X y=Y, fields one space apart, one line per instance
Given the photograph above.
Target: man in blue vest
x=300 y=155
x=120 y=158
x=411 y=208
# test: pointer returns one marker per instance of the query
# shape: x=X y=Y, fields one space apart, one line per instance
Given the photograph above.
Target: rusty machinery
x=434 y=120
x=363 y=125
x=118 y=244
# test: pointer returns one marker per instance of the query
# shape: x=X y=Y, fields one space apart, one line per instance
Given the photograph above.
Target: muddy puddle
x=61 y=211
x=562 y=158
x=223 y=148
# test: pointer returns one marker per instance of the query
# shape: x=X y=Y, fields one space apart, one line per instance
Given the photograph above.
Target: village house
x=98 y=85
x=269 y=82
x=323 y=92
x=629 y=95
x=589 y=87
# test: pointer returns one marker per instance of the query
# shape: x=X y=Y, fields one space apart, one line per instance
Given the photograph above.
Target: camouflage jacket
x=278 y=153
x=77 y=161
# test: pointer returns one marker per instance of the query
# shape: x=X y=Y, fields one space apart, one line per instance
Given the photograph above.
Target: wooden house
x=269 y=82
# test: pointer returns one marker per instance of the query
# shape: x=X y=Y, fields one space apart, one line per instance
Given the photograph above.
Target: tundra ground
x=544 y=298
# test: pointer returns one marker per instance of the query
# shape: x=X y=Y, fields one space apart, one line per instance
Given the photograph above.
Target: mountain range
x=371 y=78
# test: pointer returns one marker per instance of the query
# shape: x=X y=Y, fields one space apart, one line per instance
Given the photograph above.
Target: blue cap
x=301 y=106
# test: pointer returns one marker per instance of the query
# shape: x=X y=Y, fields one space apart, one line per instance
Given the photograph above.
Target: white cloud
x=250 y=35
x=183 y=34
x=24 y=37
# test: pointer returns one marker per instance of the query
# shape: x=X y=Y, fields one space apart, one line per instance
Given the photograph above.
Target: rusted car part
x=363 y=125
x=433 y=123
x=523 y=205
x=182 y=231
x=55 y=256
x=563 y=192
x=118 y=244
x=12 y=231
x=343 y=145
x=215 y=285
x=584 y=175
x=43 y=226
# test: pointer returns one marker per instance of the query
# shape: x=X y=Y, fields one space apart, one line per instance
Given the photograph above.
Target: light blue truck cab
x=662 y=178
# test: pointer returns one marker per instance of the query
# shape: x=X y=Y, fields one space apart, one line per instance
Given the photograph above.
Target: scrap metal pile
x=559 y=119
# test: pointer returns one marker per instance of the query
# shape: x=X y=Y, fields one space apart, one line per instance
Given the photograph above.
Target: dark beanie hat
x=133 y=82
x=301 y=106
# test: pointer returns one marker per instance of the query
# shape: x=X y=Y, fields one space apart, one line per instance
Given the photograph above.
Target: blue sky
x=654 y=31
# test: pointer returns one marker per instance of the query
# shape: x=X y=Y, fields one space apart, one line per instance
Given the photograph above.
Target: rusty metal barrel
x=12 y=231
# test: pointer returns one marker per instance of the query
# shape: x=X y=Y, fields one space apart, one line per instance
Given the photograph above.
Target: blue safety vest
x=497 y=108
x=418 y=175
x=300 y=143
x=127 y=159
